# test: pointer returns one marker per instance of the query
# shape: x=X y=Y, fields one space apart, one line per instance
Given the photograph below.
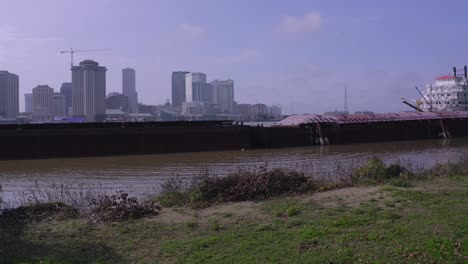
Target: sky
x=296 y=53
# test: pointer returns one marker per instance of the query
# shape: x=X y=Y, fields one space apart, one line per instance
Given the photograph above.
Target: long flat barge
x=27 y=141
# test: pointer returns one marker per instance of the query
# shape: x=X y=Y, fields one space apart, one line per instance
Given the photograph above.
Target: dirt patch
x=438 y=184
x=174 y=216
x=241 y=210
x=349 y=197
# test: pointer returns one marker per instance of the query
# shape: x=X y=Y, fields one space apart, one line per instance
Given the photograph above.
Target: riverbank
x=426 y=222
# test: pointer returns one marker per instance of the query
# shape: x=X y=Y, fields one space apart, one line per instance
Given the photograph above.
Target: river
x=144 y=173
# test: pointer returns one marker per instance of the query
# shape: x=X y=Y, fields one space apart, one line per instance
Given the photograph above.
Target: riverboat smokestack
x=465 y=71
x=454 y=71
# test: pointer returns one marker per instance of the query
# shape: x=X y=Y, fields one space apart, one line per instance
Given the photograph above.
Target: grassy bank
x=425 y=223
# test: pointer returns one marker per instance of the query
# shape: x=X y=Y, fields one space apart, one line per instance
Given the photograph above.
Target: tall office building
x=66 y=90
x=28 y=102
x=178 y=88
x=207 y=95
x=42 y=103
x=59 y=108
x=223 y=93
x=196 y=88
x=9 y=95
x=129 y=89
x=89 y=91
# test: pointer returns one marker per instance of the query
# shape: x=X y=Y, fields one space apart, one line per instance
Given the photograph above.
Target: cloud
x=190 y=30
x=246 y=55
x=242 y=56
x=310 y=23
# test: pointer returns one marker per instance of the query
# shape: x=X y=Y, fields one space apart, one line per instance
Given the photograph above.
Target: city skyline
x=299 y=54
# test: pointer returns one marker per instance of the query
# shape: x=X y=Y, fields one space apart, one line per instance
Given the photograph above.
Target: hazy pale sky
x=297 y=53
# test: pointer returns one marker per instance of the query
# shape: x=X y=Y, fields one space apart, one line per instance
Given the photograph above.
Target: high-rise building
x=207 y=95
x=66 y=90
x=223 y=93
x=9 y=95
x=89 y=91
x=196 y=88
x=244 y=109
x=129 y=89
x=259 y=110
x=59 y=108
x=178 y=88
x=28 y=102
x=42 y=103
x=117 y=101
x=276 y=111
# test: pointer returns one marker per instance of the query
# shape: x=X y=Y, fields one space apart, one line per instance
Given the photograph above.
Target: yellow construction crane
x=72 y=51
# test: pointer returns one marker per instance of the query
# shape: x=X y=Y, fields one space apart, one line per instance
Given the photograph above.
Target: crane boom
x=403 y=100
x=72 y=51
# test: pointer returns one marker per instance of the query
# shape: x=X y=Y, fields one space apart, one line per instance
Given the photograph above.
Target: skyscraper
x=42 y=103
x=195 y=87
x=223 y=92
x=129 y=89
x=89 y=91
x=59 y=105
x=9 y=95
x=207 y=93
x=66 y=90
x=28 y=102
x=178 y=87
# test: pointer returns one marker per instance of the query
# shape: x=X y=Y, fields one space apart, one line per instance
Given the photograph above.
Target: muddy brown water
x=144 y=174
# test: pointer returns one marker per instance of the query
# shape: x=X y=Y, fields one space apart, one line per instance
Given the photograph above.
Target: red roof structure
x=446 y=77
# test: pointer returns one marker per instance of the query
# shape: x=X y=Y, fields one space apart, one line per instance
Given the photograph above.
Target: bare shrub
x=260 y=183
x=119 y=207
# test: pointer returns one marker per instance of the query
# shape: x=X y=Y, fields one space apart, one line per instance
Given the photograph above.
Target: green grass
x=408 y=226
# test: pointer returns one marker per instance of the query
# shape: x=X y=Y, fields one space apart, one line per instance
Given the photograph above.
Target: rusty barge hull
x=345 y=129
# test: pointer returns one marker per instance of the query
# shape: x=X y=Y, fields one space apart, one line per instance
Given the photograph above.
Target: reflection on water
x=142 y=173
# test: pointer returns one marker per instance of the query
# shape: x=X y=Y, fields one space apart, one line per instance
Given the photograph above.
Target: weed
x=264 y=227
x=173 y=199
x=214 y=224
x=403 y=183
x=292 y=211
x=191 y=225
x=310 y=233
x=228 y=215
x=390 y=215
x=295 y=222
x=373 y=172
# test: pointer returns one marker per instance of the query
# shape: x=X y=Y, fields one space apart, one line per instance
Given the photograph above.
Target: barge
x=27 y=141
